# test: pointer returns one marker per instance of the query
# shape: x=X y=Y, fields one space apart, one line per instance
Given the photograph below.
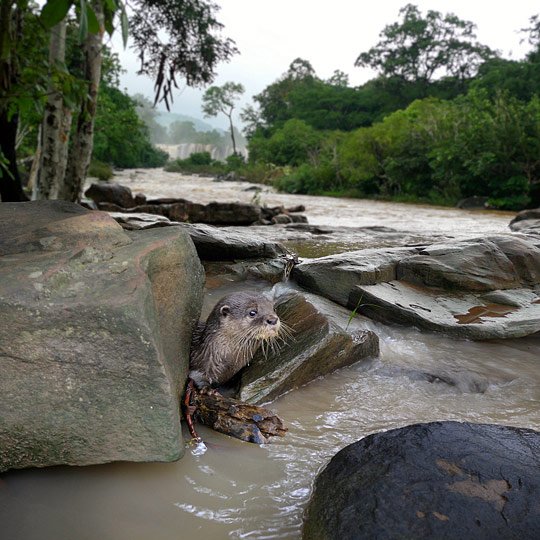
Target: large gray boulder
x=319 y=344
x=479 y=289
x=446 y=480
x=95 y=330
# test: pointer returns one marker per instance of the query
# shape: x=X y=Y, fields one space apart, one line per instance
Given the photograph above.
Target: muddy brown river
x=239 y=490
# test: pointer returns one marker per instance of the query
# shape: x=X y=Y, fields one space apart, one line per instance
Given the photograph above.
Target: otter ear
x=225 y=310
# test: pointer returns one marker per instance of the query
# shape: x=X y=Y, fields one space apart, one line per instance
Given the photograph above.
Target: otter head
x=248 y=316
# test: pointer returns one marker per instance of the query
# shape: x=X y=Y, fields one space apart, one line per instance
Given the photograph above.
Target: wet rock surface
x=478 y=289
x=215 y=244
x=483 y=264
x=94 y=336
x=212 y=243
x=317 y=345
x=446 y=480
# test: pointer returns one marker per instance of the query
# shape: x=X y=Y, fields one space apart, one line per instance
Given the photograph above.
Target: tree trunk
x=232 y=133
x=10 y=181
x=34 y=169
x=10 y=29
x=55 y=128
x=80 y=152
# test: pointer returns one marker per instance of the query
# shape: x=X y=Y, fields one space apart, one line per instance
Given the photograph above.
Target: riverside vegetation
x=447 y=118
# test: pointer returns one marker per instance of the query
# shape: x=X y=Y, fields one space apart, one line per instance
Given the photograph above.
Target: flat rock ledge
x=95 y=330
x=444 y=480
x=212 y=243
x=483 y=288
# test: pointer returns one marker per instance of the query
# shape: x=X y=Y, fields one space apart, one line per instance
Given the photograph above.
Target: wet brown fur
x=235 y=329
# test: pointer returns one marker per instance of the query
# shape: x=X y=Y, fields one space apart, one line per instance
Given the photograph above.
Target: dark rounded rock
x=444 y=480
x=109 y=192
x=533 y=213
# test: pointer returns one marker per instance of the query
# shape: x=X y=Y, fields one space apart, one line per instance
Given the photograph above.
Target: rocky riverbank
x=95 y=363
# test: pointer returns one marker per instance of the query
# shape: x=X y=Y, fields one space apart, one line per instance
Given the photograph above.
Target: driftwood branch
x=235 y=418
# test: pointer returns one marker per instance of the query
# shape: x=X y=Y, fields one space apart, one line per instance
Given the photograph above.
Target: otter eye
x=252 y=313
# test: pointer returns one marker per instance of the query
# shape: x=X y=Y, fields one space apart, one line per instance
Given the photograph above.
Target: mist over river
x=240 y=490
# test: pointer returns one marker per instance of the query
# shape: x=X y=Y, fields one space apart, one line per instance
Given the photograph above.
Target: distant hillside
x=167 y=118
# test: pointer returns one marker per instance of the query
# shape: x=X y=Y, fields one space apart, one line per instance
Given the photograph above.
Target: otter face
x=256 y=317
x=250 y=317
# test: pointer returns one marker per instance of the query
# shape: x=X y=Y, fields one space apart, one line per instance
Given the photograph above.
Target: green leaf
x=83 y=21
x=54 y=11
x=93 y=23
x=125 y=26
x=109 y=27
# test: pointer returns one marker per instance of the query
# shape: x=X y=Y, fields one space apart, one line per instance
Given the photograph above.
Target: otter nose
x=272 y=320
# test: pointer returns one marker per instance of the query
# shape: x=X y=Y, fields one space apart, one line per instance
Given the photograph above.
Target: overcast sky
x=270 y=34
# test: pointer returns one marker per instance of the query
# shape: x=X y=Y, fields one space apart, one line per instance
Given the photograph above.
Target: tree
x=120 y=137
x=193 y=48
x=221 y=99
x=56 y=125
x=274 y=102
x=426 y=48
x=533 y=37
x=174 y=38
x=339 y=78
x=20 y=86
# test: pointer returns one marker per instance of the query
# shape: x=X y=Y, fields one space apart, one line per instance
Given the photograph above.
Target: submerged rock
x=317 y=345
x=95 y=329
x=478 y=289
x=439 y=480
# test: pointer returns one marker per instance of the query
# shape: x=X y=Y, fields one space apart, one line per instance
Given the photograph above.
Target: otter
x=238 y=325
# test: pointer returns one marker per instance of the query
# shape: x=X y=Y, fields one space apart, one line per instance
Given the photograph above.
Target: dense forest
x=446 y=117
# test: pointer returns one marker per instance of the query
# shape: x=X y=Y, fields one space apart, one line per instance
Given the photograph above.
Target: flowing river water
x=240 y=490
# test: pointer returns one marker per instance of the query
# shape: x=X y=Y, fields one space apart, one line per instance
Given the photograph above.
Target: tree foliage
x=175 y=39
x=293 y=144
x=222 y=99
x=438 y=151
x=193 y=49
x=121 y=138
x=425 y=48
